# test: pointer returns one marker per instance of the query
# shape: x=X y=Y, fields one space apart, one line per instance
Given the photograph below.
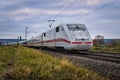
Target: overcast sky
x=102 y=17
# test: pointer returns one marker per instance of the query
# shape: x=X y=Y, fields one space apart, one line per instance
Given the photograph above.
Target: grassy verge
x=20 y=63
x=106 y=49
x=6 y=57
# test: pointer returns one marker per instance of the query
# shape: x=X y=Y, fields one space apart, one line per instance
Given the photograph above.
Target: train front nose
x=81 y=45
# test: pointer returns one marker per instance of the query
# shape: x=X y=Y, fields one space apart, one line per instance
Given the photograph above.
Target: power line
x=72 y=2
x=106 y=5
x=61 y=9
x=70 y=5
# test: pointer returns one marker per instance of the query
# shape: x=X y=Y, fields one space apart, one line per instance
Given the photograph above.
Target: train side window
x=57 y=29
x=44 y=34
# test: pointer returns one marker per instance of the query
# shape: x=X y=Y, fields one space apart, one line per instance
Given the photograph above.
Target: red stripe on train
x=81 y=42
x=55 y=40
x=61 y=40
x=76 y=42
x=88 y=42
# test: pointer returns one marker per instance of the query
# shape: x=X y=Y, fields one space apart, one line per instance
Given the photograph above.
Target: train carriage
x=67 y=36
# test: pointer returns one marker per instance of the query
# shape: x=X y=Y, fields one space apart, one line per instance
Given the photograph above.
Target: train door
x=52 y=38
x=56 y=36
x=59 y=36
x=42 y=39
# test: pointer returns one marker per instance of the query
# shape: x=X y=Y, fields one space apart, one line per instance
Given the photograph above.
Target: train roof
x=57 y=26
x=64 y=24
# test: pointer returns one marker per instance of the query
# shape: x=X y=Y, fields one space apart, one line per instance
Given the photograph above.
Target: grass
x=21 y=63
x=6 y=57
x=106 y=49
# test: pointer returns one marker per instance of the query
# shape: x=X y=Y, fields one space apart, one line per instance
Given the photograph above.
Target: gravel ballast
x=103 y=68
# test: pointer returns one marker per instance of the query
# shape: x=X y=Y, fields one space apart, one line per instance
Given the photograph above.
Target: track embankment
x=105 y=64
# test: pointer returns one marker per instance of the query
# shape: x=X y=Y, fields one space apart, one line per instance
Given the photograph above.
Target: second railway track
x=112 y=57
x=115 y=58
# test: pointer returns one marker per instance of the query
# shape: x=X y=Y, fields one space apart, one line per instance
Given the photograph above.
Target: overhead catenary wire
x=72 y=2
x=97 y=9
x=69 y=5
x=106 y=5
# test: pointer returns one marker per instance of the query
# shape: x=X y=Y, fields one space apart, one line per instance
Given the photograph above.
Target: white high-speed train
x=64 y=36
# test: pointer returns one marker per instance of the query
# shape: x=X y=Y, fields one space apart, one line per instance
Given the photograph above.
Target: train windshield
x=76 y=27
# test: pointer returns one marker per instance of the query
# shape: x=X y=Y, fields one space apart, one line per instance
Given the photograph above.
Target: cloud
x=6 y=3
x=37 y=25
x=9 y=35
x=26 y=13
x=93 y=2
x=75 y=11
x=35 y=14
x=65 y=3
x=60 y=3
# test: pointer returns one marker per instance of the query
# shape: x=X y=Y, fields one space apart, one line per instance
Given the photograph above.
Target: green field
x=21 y=63
x=106 y=49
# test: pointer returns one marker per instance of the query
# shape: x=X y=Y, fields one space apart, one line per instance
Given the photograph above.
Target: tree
x=0 y=43
x=113 y=43
x=118 y=43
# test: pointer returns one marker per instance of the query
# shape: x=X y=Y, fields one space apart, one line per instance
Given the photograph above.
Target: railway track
x=112 y=57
